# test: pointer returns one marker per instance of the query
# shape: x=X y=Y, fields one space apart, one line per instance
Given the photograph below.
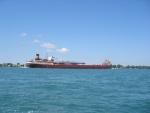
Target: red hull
x=30 y=65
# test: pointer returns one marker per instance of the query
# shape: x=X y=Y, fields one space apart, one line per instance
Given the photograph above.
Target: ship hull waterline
x=30 y=65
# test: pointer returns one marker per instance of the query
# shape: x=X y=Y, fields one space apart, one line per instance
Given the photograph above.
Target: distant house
x=14 y=65
x=18 y=64
x=4 y=64
x=9 y=65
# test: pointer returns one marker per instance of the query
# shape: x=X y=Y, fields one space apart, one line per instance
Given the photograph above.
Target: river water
x=26 y=90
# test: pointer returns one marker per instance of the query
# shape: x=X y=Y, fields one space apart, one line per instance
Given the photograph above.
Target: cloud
x=48 y=50
x=63 y=50
x=48 y=45
x=23 y=35
x=40 y=36
x=36 y=41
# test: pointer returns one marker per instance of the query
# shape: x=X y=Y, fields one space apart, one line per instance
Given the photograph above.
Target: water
x=25 y=90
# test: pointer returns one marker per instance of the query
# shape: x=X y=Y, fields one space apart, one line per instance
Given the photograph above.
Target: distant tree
x=132 y=66
x=114 y=66
x=140 y=67
x=119 y=66
x=128 y=66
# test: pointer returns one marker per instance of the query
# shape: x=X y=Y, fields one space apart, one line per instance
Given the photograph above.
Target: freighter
x=50 y=63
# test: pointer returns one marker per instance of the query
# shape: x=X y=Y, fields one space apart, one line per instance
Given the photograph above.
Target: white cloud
x=36 y=41
x=48 y=50
x=40 y=36
x=48 y=45
x=23 y=35
x=63 y=50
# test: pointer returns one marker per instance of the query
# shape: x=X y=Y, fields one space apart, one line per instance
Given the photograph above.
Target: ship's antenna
x=46 y=55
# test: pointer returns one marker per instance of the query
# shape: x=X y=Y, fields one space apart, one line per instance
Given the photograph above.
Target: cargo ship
x=49 y=62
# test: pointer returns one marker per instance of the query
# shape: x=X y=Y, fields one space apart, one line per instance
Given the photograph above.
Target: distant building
x=14 y=65
x=18 y=64
x=9 y=65
x=4 y=64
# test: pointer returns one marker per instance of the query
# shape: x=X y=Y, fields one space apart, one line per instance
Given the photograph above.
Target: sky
x=87 y=31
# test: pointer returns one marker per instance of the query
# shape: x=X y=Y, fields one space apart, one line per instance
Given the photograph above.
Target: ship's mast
x=46 y=57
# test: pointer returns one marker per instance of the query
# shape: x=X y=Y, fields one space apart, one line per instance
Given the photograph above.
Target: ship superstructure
x=51 y=63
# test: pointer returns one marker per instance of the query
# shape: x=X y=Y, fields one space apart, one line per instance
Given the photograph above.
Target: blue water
x=25 y=90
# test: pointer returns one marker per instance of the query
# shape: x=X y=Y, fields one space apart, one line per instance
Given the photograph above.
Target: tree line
x=130 y=67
